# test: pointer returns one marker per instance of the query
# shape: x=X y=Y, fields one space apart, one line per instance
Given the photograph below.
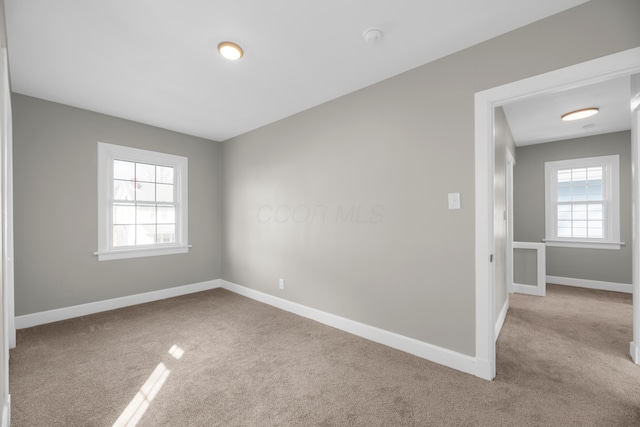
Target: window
x=582 y=203
x=142 y=203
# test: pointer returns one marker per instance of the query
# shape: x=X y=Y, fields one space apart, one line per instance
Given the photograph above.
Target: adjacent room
x=329 y=213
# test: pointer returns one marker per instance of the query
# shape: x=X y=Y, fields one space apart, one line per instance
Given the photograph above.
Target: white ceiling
x=154 y=61
x=537 y=120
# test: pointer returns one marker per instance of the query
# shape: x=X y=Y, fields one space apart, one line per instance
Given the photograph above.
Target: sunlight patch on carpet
x=140 y=403
x=176 y=352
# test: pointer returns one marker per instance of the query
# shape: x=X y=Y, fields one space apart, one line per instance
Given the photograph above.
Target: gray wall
x=394 y=150
x=55 y=182
x=591 y=264
x=503 y=143
x=525 y=266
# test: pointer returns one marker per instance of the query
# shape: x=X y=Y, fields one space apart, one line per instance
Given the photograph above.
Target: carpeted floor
x=216 y=358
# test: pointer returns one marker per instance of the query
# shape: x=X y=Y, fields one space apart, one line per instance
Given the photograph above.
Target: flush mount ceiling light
x=230 y=50
x=580 y=114
x=372 y=35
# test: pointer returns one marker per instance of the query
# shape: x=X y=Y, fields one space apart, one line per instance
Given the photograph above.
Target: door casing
x=620 y=64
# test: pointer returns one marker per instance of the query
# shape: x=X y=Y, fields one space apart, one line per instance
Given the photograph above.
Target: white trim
x=583 y=244
x=510 y=162
x=7 y=291
x=616 y=65
x=635 y=214
x=141 y=252
x=7 y=203
x=34 y=319
x=591 y=284
x=443 y=356
x=501 y=318
x=484 y=189
x=540 y=288
x=6 y=412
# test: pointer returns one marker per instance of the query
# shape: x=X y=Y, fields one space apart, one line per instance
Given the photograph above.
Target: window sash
x=137 y=232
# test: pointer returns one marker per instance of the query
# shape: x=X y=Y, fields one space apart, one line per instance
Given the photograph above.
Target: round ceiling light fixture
x=230 y=50
x=580 y=114
x=372 y=35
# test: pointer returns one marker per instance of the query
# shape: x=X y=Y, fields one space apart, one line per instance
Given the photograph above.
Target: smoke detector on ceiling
x=372 y=35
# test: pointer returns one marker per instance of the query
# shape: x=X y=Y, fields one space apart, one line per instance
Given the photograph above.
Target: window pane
x=564 y=229
x=579 y=228
x=579 y=212
x=564 y=175
x=146 y=214
x=145 y=172
x=166 y=215
x=564 y=191
x=164 y=192
x=564 y=224
x=594 y=173
x=564 y=212
x=166 y=234
x=145 y=192
x=579 y=174
x=124 y=235
x=145 y=234
x=595 y=212
x=596 y=229
x=124 y=170
x=164 y=174
x=595 y=190
x=123 y=190
x=124 y=214
x=579 y=192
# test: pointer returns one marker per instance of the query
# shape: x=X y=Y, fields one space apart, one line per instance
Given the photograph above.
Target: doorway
x=617 y=65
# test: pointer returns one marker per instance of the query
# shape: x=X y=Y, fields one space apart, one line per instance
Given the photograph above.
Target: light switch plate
x=454 y=200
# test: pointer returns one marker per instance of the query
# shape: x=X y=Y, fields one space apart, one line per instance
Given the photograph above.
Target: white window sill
x=140 y=253
x=583 y=244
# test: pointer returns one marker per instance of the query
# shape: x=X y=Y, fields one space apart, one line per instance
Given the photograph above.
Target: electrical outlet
x=281 y=283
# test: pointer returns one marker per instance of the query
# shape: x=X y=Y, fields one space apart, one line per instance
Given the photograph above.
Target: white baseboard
x=520 y=288
x=34 y=319
x=501 y=318
x=442 y=356
x=591 y=284
x=634 y=352
x=6 y=412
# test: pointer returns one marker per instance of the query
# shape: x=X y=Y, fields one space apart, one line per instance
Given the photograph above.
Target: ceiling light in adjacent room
x=230 y=50
x=580 y=114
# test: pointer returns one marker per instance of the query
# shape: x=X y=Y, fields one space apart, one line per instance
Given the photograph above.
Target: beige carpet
x=562 y=360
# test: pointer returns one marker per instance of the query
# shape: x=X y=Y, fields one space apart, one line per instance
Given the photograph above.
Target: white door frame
x=8 y=331
x=616 y=65
x=510 y=163
x=634 y=346
x=7 y=205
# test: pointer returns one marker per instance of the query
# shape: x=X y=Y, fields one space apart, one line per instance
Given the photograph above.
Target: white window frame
x=611 y=195
x=107 y=153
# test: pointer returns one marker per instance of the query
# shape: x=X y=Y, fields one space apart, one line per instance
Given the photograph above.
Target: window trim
x=107 y=153
x=611 y=185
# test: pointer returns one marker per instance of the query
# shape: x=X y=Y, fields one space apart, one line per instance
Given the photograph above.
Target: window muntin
x=142 y=203
x=582 y=202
